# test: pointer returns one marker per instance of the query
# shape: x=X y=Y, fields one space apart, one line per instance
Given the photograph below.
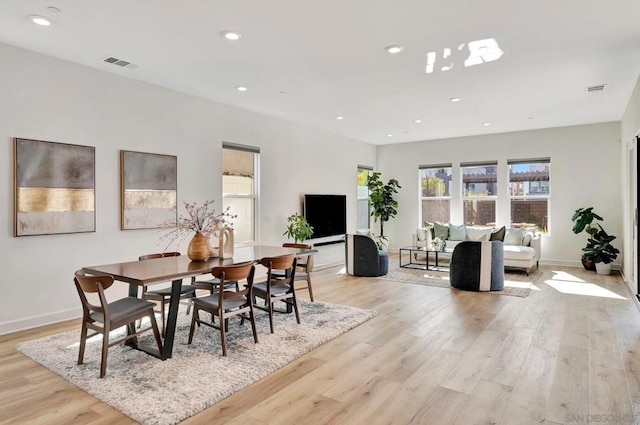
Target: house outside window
x=529 y=191
x=479 y=193
x=240 y=172
x=363 y=212
x=435 y=193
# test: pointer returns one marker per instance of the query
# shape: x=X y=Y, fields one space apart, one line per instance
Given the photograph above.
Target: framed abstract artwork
x=54 y=188
x=149 y=186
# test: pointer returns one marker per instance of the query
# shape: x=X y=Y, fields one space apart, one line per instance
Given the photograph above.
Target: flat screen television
x=327 y=214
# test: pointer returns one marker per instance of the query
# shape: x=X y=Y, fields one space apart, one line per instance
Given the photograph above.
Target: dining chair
x=105 y=317
x=225 y=303
x=304 y=266
x=275 y=289
x=163 y=295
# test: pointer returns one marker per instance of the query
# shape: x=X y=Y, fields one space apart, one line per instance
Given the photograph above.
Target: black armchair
x=363 y=258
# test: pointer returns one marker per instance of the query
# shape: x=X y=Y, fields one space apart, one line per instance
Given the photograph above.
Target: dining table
x=175 y=269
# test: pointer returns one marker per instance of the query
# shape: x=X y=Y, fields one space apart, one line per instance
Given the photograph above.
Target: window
x=364 y=215
x=435 y=193
x=529 y=193
x=240 y=188
x=479 y=193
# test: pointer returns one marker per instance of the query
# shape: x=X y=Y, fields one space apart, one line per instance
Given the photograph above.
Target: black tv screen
x=327 y=214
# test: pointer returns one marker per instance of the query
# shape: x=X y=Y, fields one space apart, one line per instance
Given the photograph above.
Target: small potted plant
x=298 y=228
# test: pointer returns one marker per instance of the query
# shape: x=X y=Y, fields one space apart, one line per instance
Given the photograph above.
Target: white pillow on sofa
x=478 y=234
x=513 y=237
x=526 y=239
x=421 y=234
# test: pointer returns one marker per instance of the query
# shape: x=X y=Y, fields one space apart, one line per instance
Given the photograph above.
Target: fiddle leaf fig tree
x=298 y=228
x=383 y=206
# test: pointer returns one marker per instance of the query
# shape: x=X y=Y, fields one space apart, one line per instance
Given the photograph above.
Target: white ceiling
x=309 y=61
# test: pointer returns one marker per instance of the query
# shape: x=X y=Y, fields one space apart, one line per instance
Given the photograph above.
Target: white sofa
x=522 y=247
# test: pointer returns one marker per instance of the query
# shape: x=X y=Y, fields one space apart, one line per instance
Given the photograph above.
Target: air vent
x=595 y=88
x=119 y=62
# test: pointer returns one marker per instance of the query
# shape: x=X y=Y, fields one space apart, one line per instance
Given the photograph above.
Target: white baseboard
x=36 y=321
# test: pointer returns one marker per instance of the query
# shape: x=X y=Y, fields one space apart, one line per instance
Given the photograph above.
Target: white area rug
x=152 y=391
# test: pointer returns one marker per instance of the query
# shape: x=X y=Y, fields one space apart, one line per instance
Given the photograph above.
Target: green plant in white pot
x=298 y=228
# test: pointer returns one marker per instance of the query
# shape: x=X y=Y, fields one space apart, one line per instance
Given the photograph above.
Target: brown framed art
x=54 y=188
x=149 y=184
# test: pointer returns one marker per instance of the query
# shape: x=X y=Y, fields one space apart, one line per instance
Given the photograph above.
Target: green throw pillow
x=457 y=233
x=498 y=235
x=441 y=230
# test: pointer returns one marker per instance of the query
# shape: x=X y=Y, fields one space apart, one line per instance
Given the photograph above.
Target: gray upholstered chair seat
x=477 y=266
x=211 y=302
x=184 y=290
x=123 y=308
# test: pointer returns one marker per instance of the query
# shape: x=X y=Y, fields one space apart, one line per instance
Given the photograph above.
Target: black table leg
x=172 y=318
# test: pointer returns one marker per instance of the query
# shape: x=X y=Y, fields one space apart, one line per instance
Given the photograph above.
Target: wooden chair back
x=93 y=284
x=237 y=272
x=304 y=262
x=158 y=255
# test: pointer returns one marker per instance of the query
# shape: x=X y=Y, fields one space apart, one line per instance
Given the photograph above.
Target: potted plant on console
x=383 y=206
x=298 y=228
x=599 y=253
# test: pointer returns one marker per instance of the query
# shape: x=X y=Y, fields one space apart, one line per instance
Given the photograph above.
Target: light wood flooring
x=430 y=356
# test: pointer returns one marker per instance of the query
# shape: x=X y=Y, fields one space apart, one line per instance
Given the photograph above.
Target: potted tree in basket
x=383 y=206
x=298 y=228
x=583 y=219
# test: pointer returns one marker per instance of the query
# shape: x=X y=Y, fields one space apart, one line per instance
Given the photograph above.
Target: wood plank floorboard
x=431 y=355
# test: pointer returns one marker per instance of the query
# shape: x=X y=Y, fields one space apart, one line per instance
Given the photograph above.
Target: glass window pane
x=237 y=171
x=479 y=181
x=435 y=182
x=243 y=224
x=529 y=213
x=529 y=179
x=363 y=214
x=479 y=212
x=436 y=210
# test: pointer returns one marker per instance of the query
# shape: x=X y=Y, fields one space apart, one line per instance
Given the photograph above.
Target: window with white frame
x=240 y=189
x=479 y=193
x=435 y=193
x=363 y=213
x=529 y=192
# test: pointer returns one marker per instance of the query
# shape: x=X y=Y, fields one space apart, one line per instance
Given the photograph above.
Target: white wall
x=49 y=99
x=585 y=171
x=630 y=127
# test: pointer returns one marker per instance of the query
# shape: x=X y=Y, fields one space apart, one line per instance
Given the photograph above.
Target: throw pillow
x=513 y=237
x=441 y=230
x=498 y=235
x=478 y=234
x=421 y=234
x=457 y=233
x=526 y=239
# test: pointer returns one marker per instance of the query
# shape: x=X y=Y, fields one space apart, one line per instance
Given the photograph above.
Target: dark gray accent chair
x=477 y=266
x=363 y=258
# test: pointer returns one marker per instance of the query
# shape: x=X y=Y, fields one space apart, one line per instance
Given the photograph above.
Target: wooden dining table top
x=164 y=269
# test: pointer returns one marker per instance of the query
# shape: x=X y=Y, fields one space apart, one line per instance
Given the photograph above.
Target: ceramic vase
x=225 y=242
x=198 y=249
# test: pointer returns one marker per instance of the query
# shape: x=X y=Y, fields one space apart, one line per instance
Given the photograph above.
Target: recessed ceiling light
x=231 y=35
x=486 y=124
x=455 y=99
x=339 y=117
x=241 y=88
x=40 y=20
x=389 y=135
x=53 y=9
x=394 y=48
x=417 y=121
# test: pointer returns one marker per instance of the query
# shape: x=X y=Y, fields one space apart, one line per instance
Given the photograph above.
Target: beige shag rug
x=151 y=391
